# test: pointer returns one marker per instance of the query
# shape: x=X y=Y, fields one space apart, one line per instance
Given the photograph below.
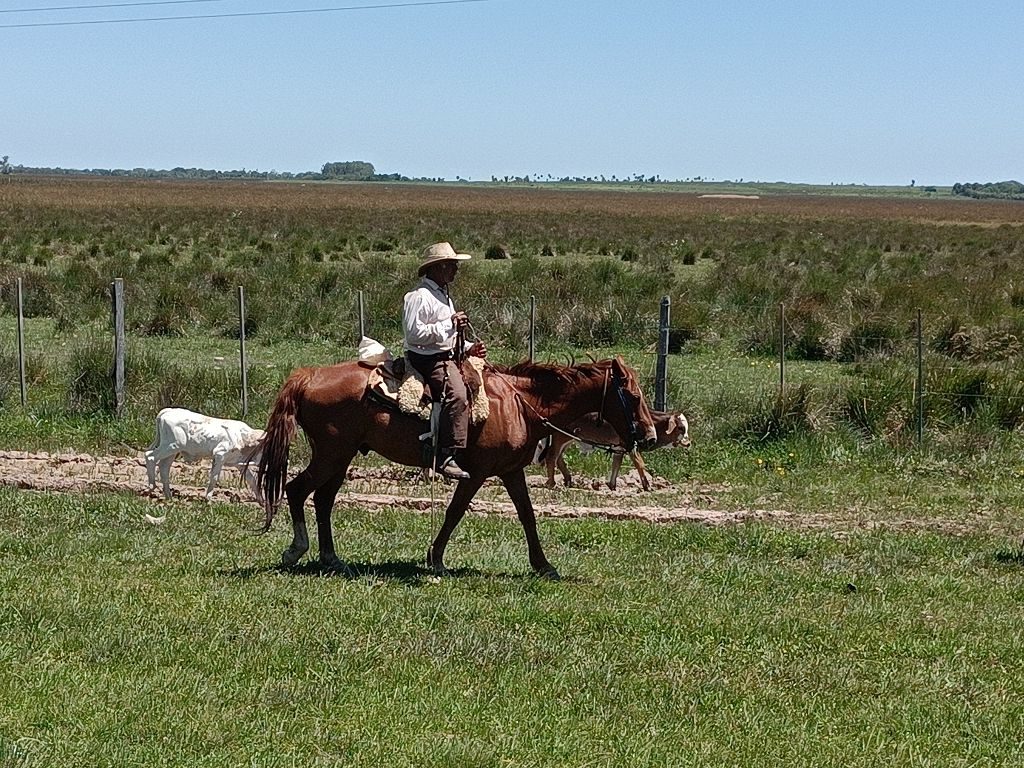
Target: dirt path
x=368 y=487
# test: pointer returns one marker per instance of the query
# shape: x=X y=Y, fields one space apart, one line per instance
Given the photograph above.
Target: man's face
x=445 y=272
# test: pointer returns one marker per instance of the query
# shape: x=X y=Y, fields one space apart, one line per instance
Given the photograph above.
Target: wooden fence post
x=21 y=346
x=117 y=292
x=661 y=368
x=241 y=351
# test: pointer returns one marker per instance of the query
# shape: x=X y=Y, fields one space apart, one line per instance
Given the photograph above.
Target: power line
x=239 y=15
x=103 y=5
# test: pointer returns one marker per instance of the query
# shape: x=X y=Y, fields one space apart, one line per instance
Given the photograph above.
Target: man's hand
x=479 y=349
x=460 y=319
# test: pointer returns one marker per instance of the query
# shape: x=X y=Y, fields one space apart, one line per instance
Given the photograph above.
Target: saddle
x=397 y=384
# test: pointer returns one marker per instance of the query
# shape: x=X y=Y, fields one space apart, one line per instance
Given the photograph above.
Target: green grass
x=125 y=644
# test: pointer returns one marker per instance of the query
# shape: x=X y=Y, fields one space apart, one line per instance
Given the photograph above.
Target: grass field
x=665 y=645
x=875 y=620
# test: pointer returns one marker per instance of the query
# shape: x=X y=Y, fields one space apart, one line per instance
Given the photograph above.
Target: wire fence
x=918 y=378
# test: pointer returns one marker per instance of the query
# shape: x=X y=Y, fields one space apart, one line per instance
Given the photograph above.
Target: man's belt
x=434 y=356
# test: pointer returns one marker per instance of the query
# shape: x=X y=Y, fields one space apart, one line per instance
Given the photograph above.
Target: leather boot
x=450 y=468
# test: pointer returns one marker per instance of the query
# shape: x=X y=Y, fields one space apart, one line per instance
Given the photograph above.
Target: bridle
x=627 y=411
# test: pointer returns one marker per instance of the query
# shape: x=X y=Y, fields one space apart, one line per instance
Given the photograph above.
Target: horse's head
x=625 y=408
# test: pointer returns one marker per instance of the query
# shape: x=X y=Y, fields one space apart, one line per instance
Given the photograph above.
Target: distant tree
x=5 y=167
x=355 y=170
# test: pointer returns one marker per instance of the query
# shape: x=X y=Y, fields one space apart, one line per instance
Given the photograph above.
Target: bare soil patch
x=390 y=486
x=369 y=487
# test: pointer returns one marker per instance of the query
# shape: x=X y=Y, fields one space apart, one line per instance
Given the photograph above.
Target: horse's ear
x=672 y=424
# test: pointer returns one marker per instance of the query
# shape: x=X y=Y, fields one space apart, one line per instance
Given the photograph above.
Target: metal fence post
x=21 y=347
x=117 y=291
x=920 y=379
x=241 y=351
x=661 y=369
x=362 y=321
x=782 y=349
x=533 y=326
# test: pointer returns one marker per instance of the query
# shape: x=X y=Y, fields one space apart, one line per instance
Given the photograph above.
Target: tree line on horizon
x=1000 y=190
x=360 y=170
x=356 y=170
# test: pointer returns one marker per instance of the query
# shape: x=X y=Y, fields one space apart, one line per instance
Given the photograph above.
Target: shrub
x=497 y=252
x=8 y=373
x=873 y=338
x=953 y=340
x=787 y=413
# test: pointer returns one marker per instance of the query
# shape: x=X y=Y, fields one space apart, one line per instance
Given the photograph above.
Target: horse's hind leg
x=515 y=484
x=297 y=490
x=323 y=503
x=320 y=474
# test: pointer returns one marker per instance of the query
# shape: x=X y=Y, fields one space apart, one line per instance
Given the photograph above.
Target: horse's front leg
x=515 y=484
x=464 y=493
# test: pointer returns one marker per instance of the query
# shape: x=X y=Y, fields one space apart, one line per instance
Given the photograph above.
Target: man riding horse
x=526 y=402
x=432 y=329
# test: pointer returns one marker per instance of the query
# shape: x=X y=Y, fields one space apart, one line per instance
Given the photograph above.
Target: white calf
x=672 y=430
x=195 y=436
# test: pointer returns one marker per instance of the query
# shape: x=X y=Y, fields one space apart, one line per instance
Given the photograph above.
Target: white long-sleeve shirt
x=427 y=319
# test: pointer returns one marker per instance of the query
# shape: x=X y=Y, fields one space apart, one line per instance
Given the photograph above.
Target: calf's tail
x=272 y=473
x=540 y=455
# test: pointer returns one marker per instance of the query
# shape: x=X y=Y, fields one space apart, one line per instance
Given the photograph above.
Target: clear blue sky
x=874 y=91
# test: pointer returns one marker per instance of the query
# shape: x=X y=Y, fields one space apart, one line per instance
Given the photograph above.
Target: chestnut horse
x=341 y=419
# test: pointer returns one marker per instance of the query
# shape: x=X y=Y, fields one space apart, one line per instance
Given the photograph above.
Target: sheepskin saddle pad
x=396 y=383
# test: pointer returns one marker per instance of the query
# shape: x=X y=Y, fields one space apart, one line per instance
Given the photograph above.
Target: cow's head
x=676 y=431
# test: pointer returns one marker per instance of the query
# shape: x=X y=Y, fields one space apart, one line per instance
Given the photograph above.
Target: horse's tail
x=273 y=467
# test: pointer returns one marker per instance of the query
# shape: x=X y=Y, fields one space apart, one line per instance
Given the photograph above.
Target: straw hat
x=440 y=252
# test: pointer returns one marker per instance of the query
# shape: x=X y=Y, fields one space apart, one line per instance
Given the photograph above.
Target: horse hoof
x=336 y=564
x=435 y=564
x=549 y=573
x=290 y=557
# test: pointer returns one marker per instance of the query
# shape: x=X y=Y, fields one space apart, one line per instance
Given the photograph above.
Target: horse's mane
x=543 y=375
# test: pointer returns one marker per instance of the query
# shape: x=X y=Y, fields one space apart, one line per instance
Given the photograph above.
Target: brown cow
x=672 y=429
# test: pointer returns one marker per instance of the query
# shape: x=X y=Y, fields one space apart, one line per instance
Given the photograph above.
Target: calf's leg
x=151 y=468
x=613 y=473
x=165 y=474
x=562 y=467
x=218 y=464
